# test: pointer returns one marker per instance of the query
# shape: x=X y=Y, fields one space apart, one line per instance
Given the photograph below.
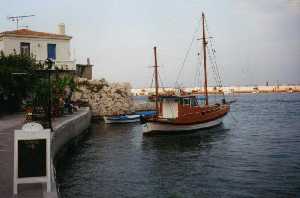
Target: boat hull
x=158 y=127
x=131 y=119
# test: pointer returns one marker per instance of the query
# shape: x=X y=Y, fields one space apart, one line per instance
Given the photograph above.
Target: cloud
x=294 y=6
x=294 y=3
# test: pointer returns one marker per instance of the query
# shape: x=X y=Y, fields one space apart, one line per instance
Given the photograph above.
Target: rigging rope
x=152 y=80
x=199 y=67
x=198 y=74
x=216 y=77
x=212 y=57
x=186 y=56
x=161 y=81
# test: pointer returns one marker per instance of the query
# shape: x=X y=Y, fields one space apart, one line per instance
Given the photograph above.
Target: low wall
x=64 y=131
x=69 y=129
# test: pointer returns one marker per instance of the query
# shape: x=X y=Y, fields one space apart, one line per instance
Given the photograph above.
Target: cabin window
x=51 y=51
x=181 y=101
x=25 y=49
x=186 y=101
x=194 y=102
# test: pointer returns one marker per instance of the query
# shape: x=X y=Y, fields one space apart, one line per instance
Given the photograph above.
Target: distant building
x=85 y=71
x=41 y=45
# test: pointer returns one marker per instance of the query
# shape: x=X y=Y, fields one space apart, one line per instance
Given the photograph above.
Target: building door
x=25 y=49
x=52 y=51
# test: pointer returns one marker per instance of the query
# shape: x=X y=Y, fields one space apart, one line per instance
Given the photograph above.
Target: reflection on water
x=256 y=156
x=186 y=142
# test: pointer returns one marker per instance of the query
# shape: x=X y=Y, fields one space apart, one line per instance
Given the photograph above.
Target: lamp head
x=49 y=62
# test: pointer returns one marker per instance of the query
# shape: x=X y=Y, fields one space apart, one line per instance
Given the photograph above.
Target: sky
x=255 y=40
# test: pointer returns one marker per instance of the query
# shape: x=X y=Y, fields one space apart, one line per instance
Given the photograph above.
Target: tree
x=16 y=80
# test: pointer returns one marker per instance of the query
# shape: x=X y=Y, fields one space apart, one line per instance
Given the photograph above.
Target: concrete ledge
x=69 y=128
x=64 y=130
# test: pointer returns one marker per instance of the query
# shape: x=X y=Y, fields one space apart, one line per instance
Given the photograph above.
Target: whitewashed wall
x=38 y=47
x=1 y=44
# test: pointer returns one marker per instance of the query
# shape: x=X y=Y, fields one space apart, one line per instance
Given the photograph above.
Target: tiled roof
x=33 y=34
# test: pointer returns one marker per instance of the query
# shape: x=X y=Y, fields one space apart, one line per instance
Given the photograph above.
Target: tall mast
x=204 y=58
x=156 y=80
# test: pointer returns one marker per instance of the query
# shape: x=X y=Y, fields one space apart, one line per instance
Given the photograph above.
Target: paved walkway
x=7 y=126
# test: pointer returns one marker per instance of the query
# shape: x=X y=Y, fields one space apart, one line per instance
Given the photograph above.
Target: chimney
x=61 y=29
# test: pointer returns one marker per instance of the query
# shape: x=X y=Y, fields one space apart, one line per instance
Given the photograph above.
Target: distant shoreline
x=229 y=90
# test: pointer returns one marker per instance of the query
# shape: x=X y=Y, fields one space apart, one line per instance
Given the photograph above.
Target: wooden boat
x=129 y=118
x=121 y=119
x=182 y=112
x=146 y=114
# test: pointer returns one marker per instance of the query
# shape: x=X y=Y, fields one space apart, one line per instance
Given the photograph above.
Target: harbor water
x=255 y=153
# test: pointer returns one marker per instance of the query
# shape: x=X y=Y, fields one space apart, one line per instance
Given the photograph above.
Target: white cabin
x=169 y=107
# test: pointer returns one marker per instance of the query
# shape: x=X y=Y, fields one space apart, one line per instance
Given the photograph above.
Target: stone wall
x=84 y=71
x=103 y=97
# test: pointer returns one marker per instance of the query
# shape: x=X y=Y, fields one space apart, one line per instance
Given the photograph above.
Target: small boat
x=128 y=118
x=146 y=114
x=232 y=101
x=182 y=112
x=122 y=119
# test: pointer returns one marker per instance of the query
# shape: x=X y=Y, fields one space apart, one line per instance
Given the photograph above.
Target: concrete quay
x=65 y=128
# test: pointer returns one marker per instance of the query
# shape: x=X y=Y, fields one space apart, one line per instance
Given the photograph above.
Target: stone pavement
x=7 y=126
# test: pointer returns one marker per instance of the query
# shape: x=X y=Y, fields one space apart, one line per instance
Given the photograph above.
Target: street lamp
x=19 y=74
x=49 y=64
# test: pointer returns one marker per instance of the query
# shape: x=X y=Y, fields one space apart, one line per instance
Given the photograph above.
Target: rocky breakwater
x=104 y=98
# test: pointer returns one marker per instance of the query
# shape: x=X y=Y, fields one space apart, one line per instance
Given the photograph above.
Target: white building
x=41 y=45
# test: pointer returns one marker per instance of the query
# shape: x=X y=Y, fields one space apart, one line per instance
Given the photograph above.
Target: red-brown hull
x=190 y=118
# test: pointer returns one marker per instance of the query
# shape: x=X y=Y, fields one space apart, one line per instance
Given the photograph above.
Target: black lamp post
x=49 y=64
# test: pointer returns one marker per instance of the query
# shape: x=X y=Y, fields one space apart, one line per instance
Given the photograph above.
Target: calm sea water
x=255 y=153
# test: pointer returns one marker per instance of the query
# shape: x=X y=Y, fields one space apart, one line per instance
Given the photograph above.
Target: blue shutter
x=52 y=51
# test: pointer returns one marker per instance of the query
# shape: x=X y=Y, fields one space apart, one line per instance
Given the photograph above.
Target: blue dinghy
x=128 y=118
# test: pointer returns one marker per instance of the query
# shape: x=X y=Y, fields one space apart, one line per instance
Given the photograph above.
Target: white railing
x=62 y=64
x=65 y=65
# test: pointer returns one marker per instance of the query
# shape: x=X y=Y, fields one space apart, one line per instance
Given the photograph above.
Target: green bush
x=16 y=80
x=23 y=83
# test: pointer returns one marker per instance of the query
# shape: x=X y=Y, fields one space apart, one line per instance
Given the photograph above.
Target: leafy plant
x=22 y=78
x=16 y=80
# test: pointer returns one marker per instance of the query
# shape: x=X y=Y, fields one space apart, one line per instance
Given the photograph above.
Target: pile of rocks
x=103 y=97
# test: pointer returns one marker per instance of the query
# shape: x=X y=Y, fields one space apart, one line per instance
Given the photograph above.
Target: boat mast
x=156 y=80
x=204 y=59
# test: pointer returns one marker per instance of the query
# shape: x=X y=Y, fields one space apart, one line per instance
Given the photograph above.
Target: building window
x=25 y=49
x=52 y=51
